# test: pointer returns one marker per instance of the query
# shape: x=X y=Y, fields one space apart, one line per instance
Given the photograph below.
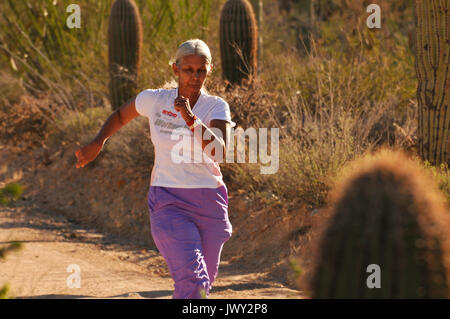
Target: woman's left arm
x=220 y=135
x=218 y=132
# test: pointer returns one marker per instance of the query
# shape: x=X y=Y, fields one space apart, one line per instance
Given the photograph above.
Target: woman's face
x=192 y=71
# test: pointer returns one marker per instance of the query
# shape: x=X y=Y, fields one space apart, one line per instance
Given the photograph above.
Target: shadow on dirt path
x=108 y=267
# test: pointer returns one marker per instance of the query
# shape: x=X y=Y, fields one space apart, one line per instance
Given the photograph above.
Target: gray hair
x=192 y=47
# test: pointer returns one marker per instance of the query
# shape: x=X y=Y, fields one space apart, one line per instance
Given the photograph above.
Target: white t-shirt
x=177 y=164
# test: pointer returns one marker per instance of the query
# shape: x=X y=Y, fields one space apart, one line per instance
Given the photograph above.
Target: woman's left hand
x=182 y=105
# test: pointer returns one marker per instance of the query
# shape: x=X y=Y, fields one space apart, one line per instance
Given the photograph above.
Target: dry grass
x=351 y=91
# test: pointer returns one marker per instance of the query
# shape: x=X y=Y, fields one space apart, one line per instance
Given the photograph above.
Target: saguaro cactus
x=238 y=41
x=125 y=45
x=389 y=214
x=432 y=48
x=259 y=15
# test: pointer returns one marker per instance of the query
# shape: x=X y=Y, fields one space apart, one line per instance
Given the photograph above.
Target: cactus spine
x=386 y=213
x=238 y=41
x=125 y=46
x=433 y=72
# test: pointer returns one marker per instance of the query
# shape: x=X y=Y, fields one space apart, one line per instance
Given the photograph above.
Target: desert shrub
x=9 y=193
x=10 y=247
x=340 y=101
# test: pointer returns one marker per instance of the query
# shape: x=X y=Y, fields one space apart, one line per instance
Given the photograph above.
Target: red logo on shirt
x=169 y=113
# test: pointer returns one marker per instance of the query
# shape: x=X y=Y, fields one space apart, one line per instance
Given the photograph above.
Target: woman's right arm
x=115 y=121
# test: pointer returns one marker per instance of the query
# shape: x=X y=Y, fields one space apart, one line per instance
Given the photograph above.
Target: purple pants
x=189 y=227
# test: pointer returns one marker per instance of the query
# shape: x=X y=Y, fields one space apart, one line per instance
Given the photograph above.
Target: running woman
x=187 y=198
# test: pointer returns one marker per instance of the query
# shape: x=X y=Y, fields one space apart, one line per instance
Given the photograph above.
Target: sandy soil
x=108 y=268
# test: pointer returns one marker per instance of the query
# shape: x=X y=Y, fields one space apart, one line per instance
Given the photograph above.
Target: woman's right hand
x=87 y=153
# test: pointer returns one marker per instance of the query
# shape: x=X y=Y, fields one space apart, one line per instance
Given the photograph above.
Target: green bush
x=4 y=291
x=442 y=175
x=9 y=193
x=12 y=246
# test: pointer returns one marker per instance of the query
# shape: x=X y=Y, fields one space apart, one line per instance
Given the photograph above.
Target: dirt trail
x=108 y=268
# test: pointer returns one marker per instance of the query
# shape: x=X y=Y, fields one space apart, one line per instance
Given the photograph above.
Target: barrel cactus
x=385 y=213
x=238 y=41
x=125 y=46
x=432 y=49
